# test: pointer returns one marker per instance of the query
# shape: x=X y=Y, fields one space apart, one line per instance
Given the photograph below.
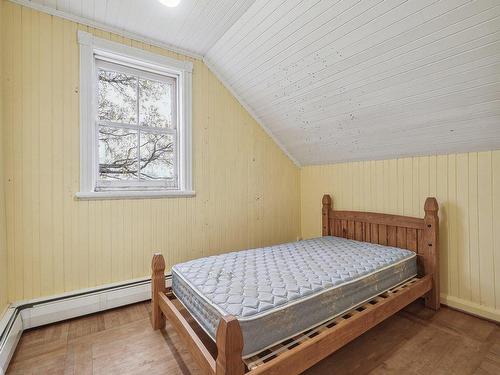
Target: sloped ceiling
x=340 y=80
x=351 y=80
x=193 y=26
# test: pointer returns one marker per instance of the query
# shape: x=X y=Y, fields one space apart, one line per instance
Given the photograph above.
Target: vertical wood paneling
x=58 y=157
x=473 y=232
x=3 y=243
x=247 y=190
x=463 y=251
x=485 y=225
x=467 y=187
x=15 y=200
x=442 y=198
x=453 y=231
x=496 y=224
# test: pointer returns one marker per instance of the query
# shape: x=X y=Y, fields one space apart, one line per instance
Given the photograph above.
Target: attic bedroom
x=249 y=187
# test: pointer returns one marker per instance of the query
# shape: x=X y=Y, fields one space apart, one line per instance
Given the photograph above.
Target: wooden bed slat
x=350 y=229
x=344 y=229
x=367 y=232
x=278 y=349
x=305 y=355
x=337 y=229
x=374 y=230
x=392 y=235
x=412 y=239
x=419 y=242
x=382 y=234
x=401 y=238
x=358 y=231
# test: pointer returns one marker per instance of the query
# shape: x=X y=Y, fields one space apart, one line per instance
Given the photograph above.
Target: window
x=137 y=128
x=135 y=122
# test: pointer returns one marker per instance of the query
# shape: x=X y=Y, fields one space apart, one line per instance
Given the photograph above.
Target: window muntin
x=136 y=127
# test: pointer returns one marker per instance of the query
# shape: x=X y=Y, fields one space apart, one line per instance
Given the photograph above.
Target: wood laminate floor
x=121 y=341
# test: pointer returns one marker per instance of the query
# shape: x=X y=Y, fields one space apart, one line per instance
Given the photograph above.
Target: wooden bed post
x=157 y=286
x=229 y=342
x=327 y=206
x=431 y=251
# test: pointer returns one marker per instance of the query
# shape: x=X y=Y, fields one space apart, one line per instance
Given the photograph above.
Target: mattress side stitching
x=291 y=303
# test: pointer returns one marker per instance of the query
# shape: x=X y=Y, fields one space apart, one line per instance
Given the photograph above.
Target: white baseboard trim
x=56 y=309
x=12 y=325
x=471 y=307
x=34 y=313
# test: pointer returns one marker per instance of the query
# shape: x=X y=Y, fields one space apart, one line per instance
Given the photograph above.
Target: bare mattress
x=279 y=291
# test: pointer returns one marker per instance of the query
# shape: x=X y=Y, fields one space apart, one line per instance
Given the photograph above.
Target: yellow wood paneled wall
x=3 y=243
x=247 y=189
x=467 y=187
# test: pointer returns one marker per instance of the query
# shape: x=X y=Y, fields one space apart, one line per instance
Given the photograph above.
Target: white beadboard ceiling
x=340 y=80
x=193 y=26
x=346 y=80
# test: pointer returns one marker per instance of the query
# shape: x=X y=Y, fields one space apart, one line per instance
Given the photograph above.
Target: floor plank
x=121 y=341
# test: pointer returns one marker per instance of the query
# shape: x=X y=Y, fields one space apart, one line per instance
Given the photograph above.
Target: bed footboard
x=229 y=339
x=229 y=342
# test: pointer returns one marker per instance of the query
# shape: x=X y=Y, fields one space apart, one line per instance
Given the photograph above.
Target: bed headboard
x=415 y=234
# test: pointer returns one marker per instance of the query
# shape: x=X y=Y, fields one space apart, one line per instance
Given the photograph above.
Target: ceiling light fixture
x=170 y=3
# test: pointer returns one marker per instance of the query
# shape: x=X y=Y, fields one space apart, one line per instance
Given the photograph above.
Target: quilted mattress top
x=251 y=283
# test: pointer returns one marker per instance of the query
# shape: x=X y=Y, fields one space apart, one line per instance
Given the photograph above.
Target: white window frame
x=92 y=47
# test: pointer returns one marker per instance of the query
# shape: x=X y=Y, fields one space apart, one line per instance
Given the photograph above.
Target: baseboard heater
x=34 y=313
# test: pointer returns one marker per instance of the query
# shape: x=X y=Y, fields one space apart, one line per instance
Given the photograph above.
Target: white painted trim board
x=12 y=321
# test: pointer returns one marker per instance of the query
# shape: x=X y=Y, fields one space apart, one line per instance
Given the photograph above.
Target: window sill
x=101 y=195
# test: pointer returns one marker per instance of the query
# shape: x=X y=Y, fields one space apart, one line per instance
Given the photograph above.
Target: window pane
x=155 y=101
x=117 y=97
x=117 y=154
x=157 y=156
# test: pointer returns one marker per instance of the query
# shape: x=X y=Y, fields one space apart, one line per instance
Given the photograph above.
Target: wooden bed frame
x=418 y=235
